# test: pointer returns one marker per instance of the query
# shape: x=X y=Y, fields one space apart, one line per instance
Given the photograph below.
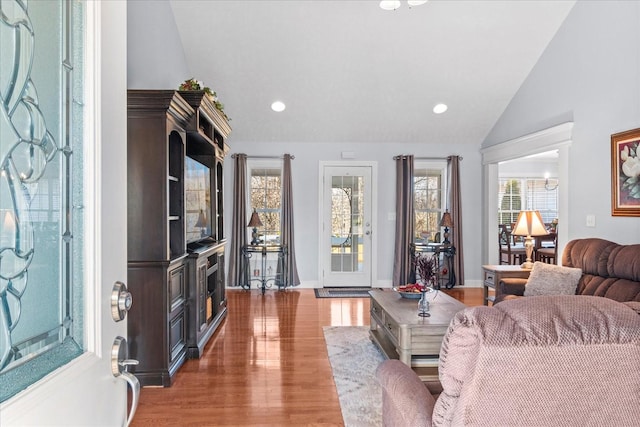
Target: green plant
x=193 y=84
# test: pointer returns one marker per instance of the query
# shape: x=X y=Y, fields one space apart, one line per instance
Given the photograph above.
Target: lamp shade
x=255 y=220
x=202 y=219
x=529 y=224
x=446 y=220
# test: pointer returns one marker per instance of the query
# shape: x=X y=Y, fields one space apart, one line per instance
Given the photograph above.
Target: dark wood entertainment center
x=175 y=274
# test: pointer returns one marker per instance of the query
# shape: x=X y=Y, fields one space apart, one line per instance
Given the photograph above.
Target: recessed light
x=278 y=106
x=390 y=4
x=440 y=108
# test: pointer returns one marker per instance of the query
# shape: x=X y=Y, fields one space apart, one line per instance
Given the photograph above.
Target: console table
x=401 y=334
x=265 y=266
x=492 y=274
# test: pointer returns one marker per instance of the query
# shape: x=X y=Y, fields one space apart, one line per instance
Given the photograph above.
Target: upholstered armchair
x=537 y=361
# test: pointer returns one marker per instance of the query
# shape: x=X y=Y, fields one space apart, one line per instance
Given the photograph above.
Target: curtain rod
x=428 y=158
x=233 y=156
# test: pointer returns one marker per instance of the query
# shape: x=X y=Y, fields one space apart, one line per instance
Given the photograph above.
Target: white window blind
x=516 y=194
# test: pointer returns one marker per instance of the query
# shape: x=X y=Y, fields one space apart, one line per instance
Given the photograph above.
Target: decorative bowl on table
x=412 y=290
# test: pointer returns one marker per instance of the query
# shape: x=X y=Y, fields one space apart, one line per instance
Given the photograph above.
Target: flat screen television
x=197 y=190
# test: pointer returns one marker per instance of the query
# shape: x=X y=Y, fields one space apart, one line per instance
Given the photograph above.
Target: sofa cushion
x=550 y=279
x=633 y=305
x=609 y=270
x=591 y=255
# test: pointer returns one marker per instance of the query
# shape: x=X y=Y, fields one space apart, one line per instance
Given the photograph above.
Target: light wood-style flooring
x=267 y=364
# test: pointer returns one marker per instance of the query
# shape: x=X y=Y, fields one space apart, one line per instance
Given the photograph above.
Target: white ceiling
x=349 y=71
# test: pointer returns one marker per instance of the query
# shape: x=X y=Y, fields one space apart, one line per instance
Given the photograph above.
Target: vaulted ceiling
x=349 y=71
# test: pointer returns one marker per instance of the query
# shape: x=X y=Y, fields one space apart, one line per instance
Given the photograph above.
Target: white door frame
x=374 y=214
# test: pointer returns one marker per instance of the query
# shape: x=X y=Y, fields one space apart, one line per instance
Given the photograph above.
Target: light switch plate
x=591 y=220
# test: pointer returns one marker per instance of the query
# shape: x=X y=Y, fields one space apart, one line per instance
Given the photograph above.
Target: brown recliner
x=609 y=270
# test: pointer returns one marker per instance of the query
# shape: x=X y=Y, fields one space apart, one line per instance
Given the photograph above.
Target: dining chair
x=509 y=253
x=547 y=254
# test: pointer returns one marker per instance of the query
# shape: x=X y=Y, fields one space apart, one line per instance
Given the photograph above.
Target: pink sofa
x=538 y=361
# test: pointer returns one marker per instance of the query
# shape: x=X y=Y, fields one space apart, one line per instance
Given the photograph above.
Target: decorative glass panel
x=347 y=214
x=41 y=245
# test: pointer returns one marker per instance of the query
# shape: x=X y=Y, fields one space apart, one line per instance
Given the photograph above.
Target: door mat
x=343 y=292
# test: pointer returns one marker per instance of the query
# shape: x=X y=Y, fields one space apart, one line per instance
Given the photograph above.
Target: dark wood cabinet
x=175 y=245
x=207 y=133
x=156 y=147
x=206 y=299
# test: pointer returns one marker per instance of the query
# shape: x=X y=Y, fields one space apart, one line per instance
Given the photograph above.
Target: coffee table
x=401 y=334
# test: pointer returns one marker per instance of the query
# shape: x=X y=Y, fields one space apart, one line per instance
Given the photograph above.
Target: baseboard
x=385 y=284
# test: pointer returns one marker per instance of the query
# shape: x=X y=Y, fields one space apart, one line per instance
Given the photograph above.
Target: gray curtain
x=239 y=221
x=287 y=223
x=455 y=201
x=404 y=220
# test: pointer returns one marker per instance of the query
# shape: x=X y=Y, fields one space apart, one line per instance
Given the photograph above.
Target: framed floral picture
x=625 y=173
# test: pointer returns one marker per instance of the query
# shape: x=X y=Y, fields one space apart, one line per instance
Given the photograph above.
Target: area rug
x=342 y=292
x=354 y=360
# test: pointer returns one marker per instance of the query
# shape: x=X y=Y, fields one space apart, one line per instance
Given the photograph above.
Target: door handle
x=121 y=301
x=119 y=367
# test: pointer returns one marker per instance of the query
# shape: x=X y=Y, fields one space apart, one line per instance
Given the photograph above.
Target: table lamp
x=446 y=222
x=529 y=224
x=255 y=223
x=201 y=223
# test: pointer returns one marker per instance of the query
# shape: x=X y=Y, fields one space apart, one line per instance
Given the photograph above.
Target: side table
x=269 y=267
x=444 y=255
x=492 y=274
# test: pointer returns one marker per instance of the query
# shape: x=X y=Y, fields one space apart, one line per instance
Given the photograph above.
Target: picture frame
x=625 y=173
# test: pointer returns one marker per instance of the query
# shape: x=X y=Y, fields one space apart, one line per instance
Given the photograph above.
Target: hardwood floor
x=266 y=366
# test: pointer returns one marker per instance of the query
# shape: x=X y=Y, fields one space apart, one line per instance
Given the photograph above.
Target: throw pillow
x=550 y=279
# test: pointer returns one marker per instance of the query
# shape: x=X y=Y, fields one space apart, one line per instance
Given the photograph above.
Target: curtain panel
x=404 y=220
x=455 y=201
x=239 y=221
x=286 y=225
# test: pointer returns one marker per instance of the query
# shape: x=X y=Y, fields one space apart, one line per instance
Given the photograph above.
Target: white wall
x=155 y=57
x=589 y=74
x=305 y=171
x=156 y=61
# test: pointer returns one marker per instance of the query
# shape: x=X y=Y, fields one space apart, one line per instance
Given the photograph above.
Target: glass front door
x=41 y=189
x=62 y=210
x=347 y=226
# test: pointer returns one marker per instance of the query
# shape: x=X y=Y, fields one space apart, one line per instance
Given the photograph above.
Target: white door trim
x=554 y=138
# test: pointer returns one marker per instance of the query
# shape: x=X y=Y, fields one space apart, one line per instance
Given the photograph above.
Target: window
x=518 y=194
x=429 y=194
x=266 y=184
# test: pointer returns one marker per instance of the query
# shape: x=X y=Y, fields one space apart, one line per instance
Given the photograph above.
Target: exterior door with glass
x=63 y=213
x=347 y=226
